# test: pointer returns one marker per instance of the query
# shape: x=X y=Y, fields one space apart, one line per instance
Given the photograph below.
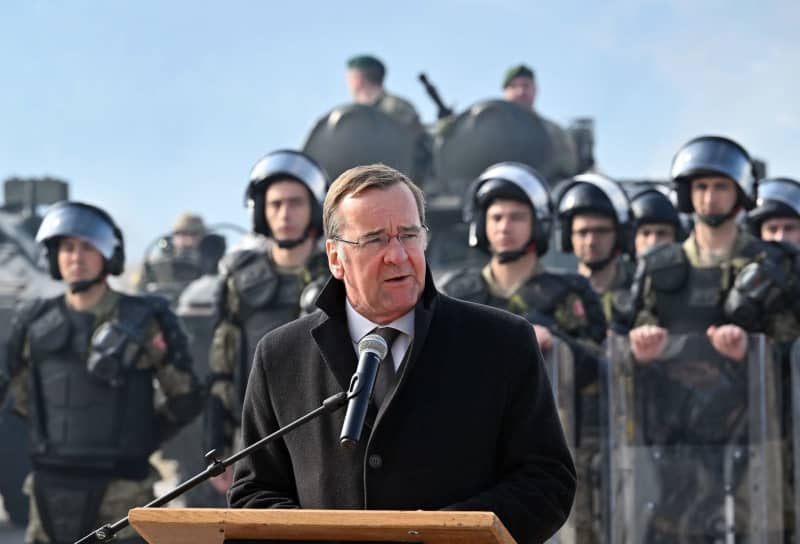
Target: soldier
x=655 y=220
x=260 y=289
x=519 y=87
x=595 y=218
x=82 y=368
x=692 y=287
x=710 y=292
x=510 y=215
x=365 y=75
x=776 y=217
x=176 y=260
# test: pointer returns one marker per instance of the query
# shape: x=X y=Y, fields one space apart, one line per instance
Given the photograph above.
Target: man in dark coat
x=469 y=422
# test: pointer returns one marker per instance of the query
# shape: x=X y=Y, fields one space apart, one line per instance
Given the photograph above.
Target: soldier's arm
x=15 y=364
x=581 y=318
x=167 y=347
x=223 y=358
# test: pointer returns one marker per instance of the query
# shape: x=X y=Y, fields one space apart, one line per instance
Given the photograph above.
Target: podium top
x=214 y=526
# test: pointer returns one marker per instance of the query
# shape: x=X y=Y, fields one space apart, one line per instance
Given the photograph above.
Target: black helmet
x=513 y=181
x=281 y=164
x=653 y=206
x=593 y=194
x=90 y=223
x=712 y=155
x=777 y=197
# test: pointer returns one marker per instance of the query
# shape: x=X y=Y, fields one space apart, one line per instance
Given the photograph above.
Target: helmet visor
x=80 y=222
x=783 y=191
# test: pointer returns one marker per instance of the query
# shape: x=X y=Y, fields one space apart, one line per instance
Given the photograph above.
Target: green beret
x=369 y=65
x=519 y=70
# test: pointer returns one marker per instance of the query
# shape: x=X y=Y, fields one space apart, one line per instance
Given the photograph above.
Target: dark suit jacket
x=471 y=425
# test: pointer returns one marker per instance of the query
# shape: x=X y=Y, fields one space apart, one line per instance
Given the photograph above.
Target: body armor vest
x=82 y=420
x=267 y=299
x=685 y=298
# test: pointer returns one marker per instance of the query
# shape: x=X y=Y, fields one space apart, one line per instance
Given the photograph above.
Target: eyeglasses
x=411 y=239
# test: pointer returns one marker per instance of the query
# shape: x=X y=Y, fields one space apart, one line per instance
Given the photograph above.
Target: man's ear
x=334 y=259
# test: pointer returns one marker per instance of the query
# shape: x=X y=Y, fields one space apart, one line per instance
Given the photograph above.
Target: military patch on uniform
x=159 y=344
x=578 y=309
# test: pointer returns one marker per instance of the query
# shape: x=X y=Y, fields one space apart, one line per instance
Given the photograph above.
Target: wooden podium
x=214 y=526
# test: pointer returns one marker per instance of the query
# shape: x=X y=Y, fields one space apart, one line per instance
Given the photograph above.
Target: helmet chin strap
x=505 y=257
x=81 y=286
x=716 y=219
x=294 y=242
x=596 y=266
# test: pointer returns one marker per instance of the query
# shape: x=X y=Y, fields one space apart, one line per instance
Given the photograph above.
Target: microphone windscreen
x=373 y=343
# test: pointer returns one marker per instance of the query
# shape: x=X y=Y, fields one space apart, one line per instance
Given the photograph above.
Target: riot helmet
x=512 y=181
x=653 y=206
x=777 y=197
x=709 y=156
x=89 y=223
x=593 y=194
x=293 y=165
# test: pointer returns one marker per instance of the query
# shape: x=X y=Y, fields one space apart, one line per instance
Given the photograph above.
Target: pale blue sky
x=152 y=108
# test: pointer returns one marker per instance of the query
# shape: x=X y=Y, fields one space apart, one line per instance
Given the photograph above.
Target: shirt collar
x=359 y=326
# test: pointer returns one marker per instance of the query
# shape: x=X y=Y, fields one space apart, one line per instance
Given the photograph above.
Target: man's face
x=593 y=237
x=781 y=229
x=78 y=260
x=653 y=234
x=508 y=225
x=521 y=90
x=287 y=208
x=382 y=283
x=354 y=80
x=713 y=195
x=184 y=241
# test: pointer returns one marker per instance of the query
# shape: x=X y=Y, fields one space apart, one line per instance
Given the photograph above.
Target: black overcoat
x=471 y=425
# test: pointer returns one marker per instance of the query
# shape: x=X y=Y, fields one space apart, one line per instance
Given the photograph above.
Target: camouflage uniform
x=566 y=304
x=398 y=108
x=47 y=338
x=255 y=296
x=674 y=278
x=616 y=299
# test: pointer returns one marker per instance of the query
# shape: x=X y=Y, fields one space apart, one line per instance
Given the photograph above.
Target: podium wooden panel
x=213 y=526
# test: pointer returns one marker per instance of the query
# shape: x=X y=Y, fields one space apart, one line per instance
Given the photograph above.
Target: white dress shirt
x=359 y=326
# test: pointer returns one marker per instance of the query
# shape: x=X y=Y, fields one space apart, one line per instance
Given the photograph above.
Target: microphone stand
x=216 y=467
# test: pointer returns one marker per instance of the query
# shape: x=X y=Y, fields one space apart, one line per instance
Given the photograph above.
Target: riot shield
x=487 y=133
x=197 y=313
x=559 y=364
x=694 y=444
x=355 y=134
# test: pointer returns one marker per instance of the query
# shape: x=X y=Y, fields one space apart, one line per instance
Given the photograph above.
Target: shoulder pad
x=255 y=279
x=554 y=285
x=308 y=297
x=667 y=266
x=233 y=261
x=466 y=284
x=27 y=310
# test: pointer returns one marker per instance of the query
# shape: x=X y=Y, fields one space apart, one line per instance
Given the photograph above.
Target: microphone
x=371 y=351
